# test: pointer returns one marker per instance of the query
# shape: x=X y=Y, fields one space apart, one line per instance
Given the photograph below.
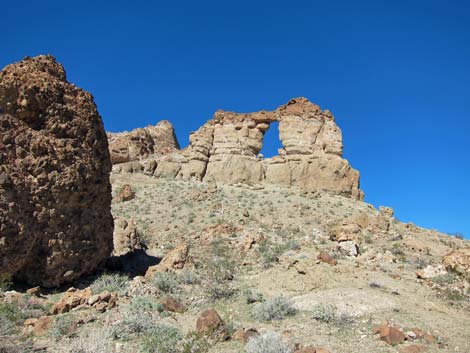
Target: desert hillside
x=214 y=248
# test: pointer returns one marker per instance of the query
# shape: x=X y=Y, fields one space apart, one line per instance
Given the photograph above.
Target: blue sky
x=396 y=75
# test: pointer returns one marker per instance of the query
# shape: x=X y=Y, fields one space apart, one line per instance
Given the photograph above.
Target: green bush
x=166 y=282
x=444 y=279
x=276 y=308
x=253 y=296
x=269 y=342
x=10 y=317
x=324 y=313
x=5 y=281
x=64 y=325
x=162 y=338
x=111 y=282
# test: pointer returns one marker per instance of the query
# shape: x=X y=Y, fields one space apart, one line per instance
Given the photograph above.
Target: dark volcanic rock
x=55 y=194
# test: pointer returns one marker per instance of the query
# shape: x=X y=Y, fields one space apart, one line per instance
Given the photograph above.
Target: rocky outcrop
x=226 y=150
x=142 y=143
x=55 y=194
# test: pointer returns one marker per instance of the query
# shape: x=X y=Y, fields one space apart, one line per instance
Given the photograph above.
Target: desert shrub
x=276 y=308
x=292 y=245
x=269 y=342
x=8 y=346
x=325 y=313
x=166 y=282
x=444 y=279
x=10 y=317
x=138 y=317
x=162 y=338
x=194 y=343
x=111 y=282
x=375 y=284
x=189 y=277
x=270 y=252
x=63 y=325
x=95 y=341
x=453 y=294
x=253 y=296
x=5 y=281
x=219 y=270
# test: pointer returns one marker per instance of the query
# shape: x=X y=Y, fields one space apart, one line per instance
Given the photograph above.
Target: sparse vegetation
x=270 y=342
x=276 y=308
x=64 y=325
x=444 y=279
x=111 y=282
x=253 y=296
x=5 y=281
x=325 y=313
x=166 y=282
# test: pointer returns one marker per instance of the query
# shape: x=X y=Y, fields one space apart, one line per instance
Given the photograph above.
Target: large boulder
x=55 y=194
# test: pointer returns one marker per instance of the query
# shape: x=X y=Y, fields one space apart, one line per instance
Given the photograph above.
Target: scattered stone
x=209 y=323
x=348 y=248
x=389 y=334
x=125 y=194
x=35 y=291
x=71 y=299
x=458 y=261
x=174 y=260
x=173 y=305
x=431 y=271
x=323 y=256
x=245 y=334
x=38 y=326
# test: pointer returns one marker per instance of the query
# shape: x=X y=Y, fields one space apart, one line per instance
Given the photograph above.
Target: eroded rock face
x=226 y=150
x=55 y=194
x=142 y=143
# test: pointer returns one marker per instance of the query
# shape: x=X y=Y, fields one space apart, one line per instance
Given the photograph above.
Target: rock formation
x=141 y=143
x=55 y=194
x=226 y=150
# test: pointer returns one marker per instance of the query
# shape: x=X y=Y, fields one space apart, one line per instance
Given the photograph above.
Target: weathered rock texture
x=55 y=194
x=226 y=150
x=142 y=143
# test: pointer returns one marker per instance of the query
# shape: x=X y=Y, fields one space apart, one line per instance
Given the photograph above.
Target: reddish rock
x=55 y=194
x=245 y=334
x=125 y=194
x=327 y=258
x=171 y=304
x=389 y=334
x=174 y=260
x=209 y=322
x=71 y=299
x=39 y=326
x=430 y=338
x=35 y=291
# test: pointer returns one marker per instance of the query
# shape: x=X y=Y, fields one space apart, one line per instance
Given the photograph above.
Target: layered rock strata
x=226 y=150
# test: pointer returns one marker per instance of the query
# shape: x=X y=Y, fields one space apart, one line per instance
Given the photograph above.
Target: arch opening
x=271 y=141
